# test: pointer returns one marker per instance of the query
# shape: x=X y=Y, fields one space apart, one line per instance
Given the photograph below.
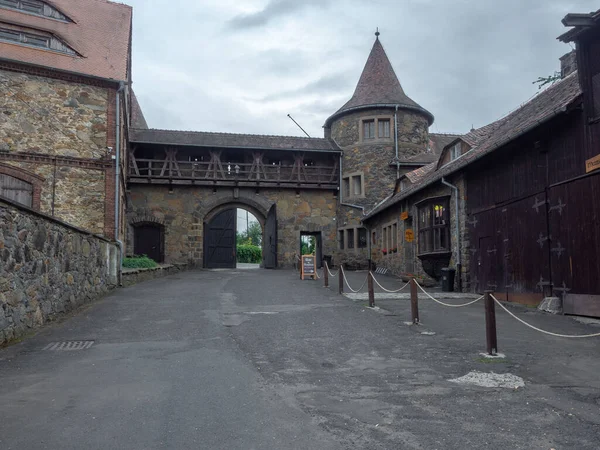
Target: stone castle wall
x=52 y=116
x=400 y=263
x=183 y=212
x=47 y=268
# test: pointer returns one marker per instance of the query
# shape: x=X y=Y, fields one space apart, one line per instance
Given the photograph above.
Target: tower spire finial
x=377 y=33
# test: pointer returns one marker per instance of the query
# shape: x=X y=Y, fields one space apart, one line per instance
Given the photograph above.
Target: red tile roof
x=137 y=116
x=100 y=32
x=379 y=86
x=546 y=105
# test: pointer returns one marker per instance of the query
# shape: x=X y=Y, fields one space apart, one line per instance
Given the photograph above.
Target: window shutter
x=17 y=190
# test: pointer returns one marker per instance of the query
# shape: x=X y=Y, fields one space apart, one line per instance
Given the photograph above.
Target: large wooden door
x=17 y=190
x=219 y=241
x=147 y=240
x=270 y=256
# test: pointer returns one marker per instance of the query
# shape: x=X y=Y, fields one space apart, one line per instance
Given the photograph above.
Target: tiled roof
x=231 y=140
x=137 y=116
x=379 y=86
x=547 y=104
x=437 y=142
x=100 y=32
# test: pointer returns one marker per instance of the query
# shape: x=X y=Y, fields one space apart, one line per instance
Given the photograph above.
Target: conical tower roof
x=379 y=87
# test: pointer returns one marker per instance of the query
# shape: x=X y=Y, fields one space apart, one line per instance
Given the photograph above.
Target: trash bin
x=329 y=260
x=448 y=279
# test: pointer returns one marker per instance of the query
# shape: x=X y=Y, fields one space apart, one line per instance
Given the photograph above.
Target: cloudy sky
x=243 y=65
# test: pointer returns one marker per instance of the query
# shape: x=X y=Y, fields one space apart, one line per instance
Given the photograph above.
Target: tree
x=543 y=81
x=251 y=236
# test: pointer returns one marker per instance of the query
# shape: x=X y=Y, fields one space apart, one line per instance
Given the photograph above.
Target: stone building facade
x=65 y=110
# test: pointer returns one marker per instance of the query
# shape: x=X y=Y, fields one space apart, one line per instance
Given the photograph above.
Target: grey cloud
x=329 y=85
x=273 y=10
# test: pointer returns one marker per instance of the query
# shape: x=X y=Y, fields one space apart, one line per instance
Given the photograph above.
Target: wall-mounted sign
x=308 y=267
x=592 y=164
x=409 y=235
x=404 y=215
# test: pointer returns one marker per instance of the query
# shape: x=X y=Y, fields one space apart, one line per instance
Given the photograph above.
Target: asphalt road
x=257 y=359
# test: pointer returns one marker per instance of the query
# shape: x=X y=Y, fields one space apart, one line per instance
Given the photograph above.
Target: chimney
x=568 y=64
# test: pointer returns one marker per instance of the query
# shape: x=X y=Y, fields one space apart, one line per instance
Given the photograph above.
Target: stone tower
x=378 y=130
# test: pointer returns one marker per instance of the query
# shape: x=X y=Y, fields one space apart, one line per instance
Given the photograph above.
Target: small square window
x=368 y=129
x=455 y=152
x=356 y=186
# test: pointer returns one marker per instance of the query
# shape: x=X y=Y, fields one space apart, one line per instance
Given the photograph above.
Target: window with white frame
x=455 y=151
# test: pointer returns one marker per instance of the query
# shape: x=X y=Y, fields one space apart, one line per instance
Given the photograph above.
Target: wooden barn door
x=17 y=190
x=219 y=241
x=271 y=239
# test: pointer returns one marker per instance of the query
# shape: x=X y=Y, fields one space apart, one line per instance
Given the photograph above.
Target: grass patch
x=139 y=262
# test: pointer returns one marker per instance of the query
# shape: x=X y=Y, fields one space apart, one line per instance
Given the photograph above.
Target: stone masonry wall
x=398 y=262
x=51 y=116
x=47 y=268
x=373 y=158
x=78 y=194
x=183 y=212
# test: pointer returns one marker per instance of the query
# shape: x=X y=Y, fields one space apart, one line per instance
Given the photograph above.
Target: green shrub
x=139 y=262
x=249 y=254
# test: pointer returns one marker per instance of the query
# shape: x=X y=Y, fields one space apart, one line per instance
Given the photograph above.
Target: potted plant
x=394 y=250
x=384 y=251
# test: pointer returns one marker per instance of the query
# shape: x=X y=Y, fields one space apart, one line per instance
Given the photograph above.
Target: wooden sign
x=308 y=267
x=409 y=235
x=592 y=164
x=404 y=215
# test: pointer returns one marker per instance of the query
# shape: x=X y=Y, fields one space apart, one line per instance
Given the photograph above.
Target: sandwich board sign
x=308 y=267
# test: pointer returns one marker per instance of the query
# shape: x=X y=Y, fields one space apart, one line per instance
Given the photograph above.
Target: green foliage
x=308 y=245
x=252 y=236
x=543 y=81
x=249 y=254
x=139 y=262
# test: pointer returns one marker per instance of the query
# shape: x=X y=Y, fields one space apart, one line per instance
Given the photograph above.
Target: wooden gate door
x=147 y=241
x=270 y=256
x=219 y=241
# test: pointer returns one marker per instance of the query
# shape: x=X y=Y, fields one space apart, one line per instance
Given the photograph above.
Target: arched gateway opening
x=220 y=226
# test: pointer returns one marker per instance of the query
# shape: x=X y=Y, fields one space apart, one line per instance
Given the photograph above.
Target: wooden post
x=341 y=280
x=414 y=302
x=370 y=286
x=325 y=275
x=490 y=324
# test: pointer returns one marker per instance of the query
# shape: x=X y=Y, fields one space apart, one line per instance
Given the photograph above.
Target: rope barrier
x=544 y=331
x=331 y=274
x=447 y=304
x=387 y=290
x=348 y=284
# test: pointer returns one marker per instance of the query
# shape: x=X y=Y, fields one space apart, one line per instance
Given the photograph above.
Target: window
x=341 y=239
x=350 y=238
x=389 y=235
x=434 y=227
x=375 y=128
x=353 y=185
x=34 y=7
x=369 y=129
x=384 y=128
x=37 y=40
x=362 y=238
x=374 y=238
x=455 y=151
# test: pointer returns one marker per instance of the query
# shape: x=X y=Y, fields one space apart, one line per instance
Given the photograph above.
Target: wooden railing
x=234 y=173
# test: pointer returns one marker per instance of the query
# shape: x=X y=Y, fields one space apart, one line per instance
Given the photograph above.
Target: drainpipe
x=457 y=218
x=118 y=180
x=396 y=141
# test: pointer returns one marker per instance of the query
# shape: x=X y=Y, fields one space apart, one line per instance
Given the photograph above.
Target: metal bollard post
x=326 y=275
x=370 y=286
x=414 y=301
x=490 y=323
x=341 y=279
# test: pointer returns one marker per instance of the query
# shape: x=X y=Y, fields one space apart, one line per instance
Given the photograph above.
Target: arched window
x=17 y=190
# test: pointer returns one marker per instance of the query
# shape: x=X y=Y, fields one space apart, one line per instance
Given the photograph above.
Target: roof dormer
x=35 y=7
